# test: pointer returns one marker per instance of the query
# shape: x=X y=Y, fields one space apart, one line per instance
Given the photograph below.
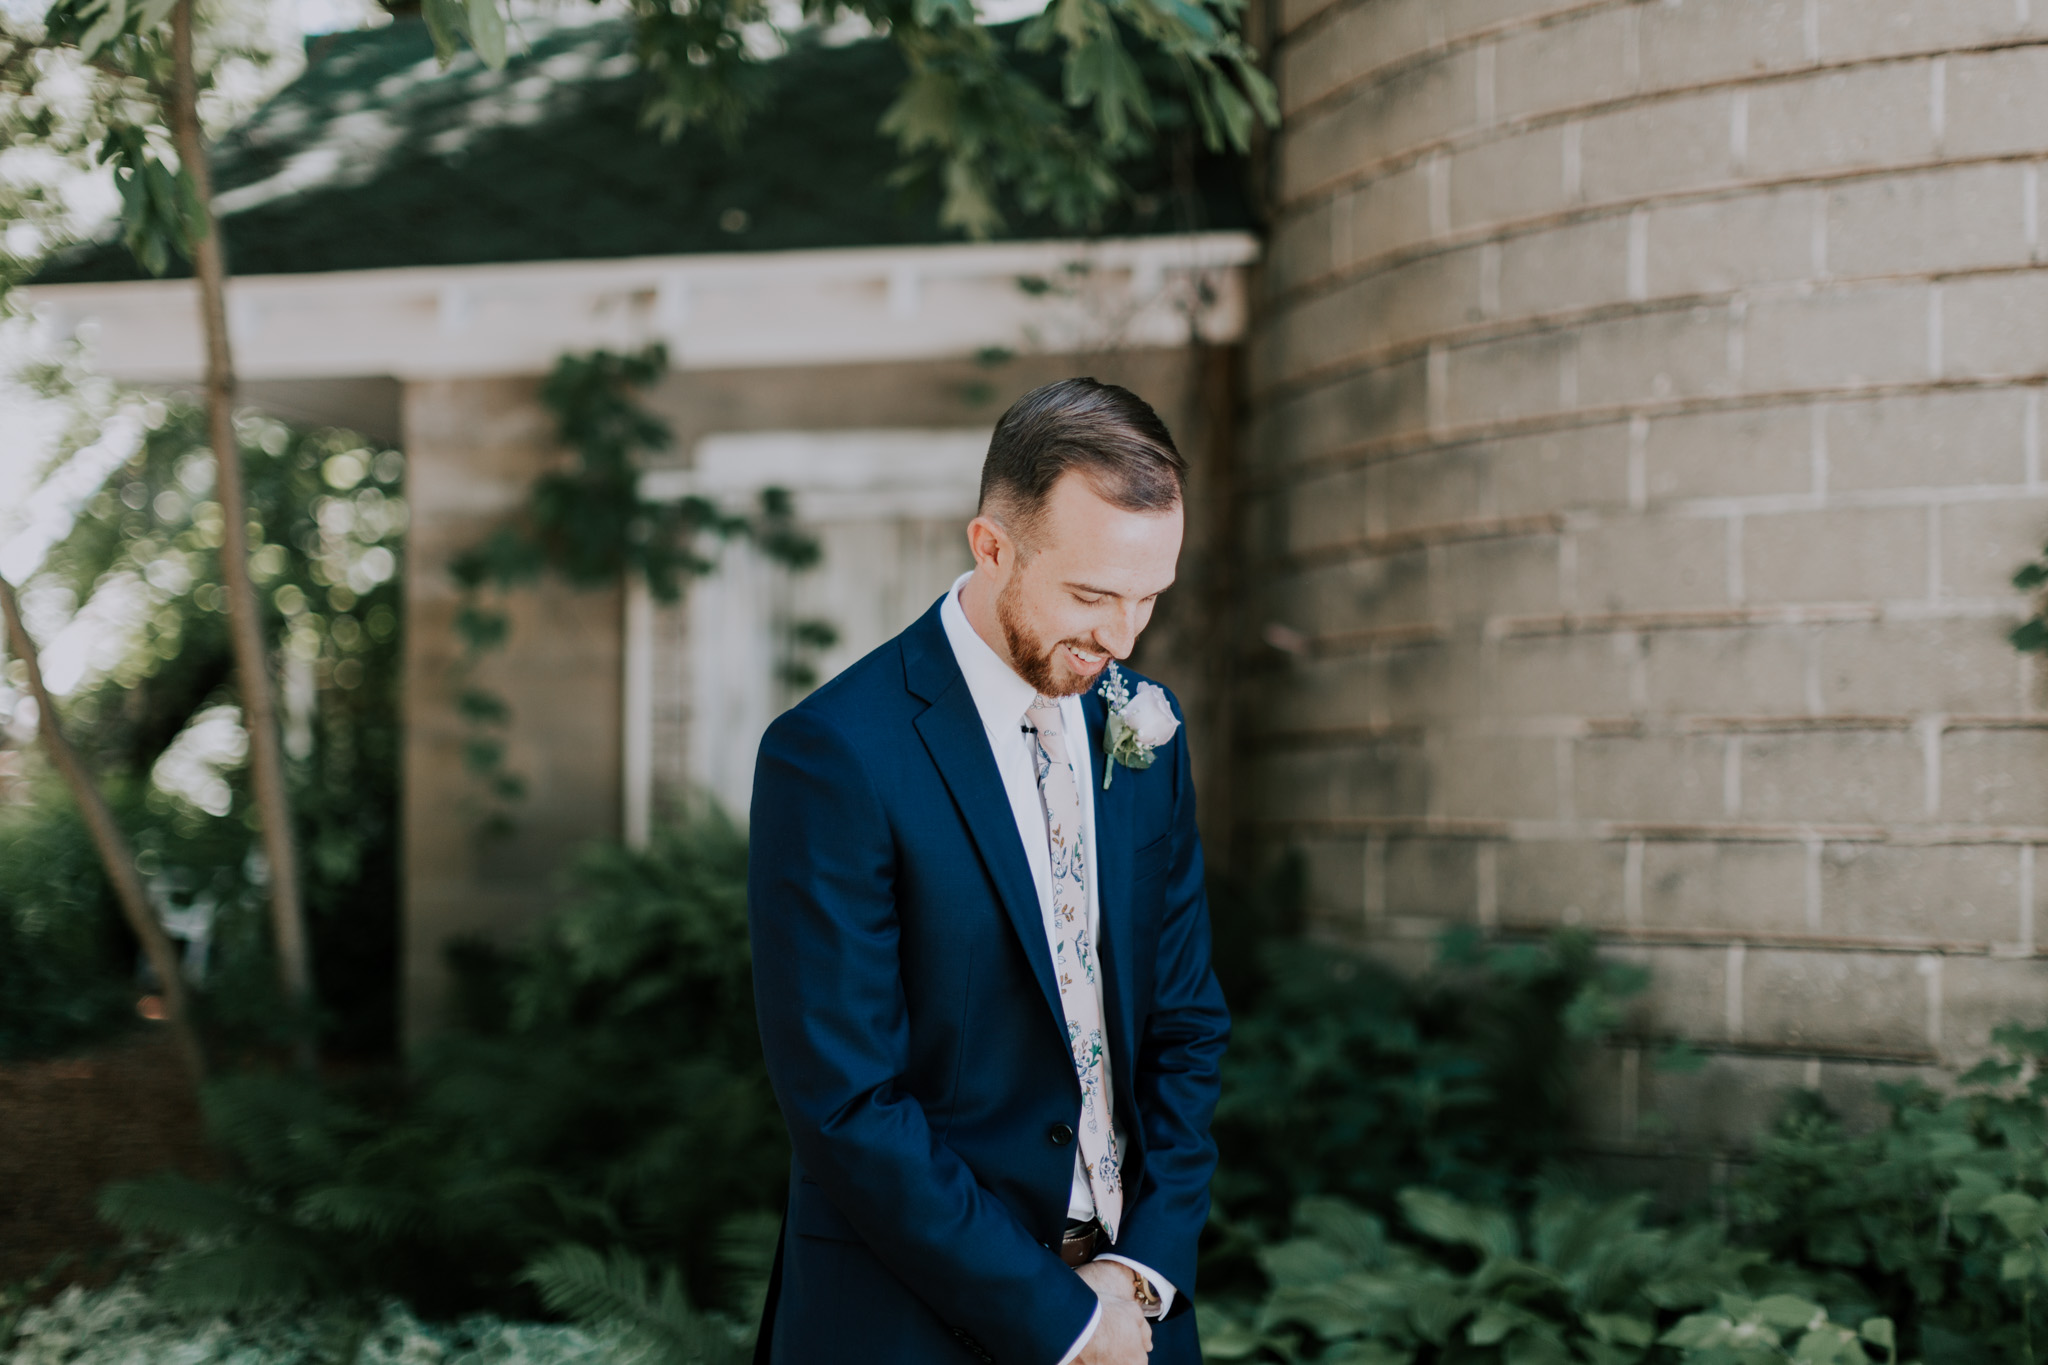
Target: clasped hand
x=1124 y=1335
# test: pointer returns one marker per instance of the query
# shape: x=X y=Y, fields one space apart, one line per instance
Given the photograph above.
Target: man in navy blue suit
x=981 y=942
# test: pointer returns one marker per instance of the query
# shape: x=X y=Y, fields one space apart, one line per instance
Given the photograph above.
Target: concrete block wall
x=1646 y=425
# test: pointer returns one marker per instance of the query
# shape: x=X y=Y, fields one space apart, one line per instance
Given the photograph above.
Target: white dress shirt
x=1001 y=698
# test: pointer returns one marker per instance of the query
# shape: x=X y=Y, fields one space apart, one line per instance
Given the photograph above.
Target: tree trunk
x=112 y=845
x=259 y=709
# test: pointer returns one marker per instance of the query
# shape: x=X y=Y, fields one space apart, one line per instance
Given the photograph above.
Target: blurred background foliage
x=154 y=707
x=604 y=1087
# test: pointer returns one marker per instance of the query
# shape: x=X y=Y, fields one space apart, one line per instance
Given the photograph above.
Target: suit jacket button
x=1059 y=1135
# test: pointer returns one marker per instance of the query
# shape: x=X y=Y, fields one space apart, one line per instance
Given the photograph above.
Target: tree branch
x=245 y=621
x=115 y=854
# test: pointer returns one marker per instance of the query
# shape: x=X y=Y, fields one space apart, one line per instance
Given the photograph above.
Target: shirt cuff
x=1081 y=1342
x=1152 y=1277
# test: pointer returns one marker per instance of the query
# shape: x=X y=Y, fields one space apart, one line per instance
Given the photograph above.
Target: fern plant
x=619 y=1290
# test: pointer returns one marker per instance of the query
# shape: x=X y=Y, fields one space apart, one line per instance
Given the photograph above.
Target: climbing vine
x=591 y=525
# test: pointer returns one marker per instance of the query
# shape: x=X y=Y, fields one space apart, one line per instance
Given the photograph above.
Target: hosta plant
x=1575 y=1282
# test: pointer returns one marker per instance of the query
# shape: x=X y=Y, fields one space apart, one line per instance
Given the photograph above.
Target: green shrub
x=328 y=521
x=1573 y=1282
x=67 y=962
x=1344 y=1077
x=1938 y=1219
x=607 y=1089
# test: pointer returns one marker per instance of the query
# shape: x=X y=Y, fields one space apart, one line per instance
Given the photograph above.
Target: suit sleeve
x=834 y=1027
x=1178 y=1074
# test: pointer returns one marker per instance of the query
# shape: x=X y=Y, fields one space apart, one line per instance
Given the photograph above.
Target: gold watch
x=1143 y=1292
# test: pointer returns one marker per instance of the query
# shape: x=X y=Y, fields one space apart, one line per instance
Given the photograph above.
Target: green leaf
x=1360 y=1236
x=1625 y=1328
x=2028 y=1262
x=1532 y=1349
x=1435 y=1214
x=1698 y=1330
x=1788 y=1312
x=1353 y=1353
x=1102 y=73
x=487 y=32
x=1606 y=1353
x=1493 y=1324
x=2022 y=1215
x=104 y=29
x=1303 y=1262
x=1829 y=1345
x=1879 y=1332
x=1679 y=1059
x=480 y=707
x=446 y=20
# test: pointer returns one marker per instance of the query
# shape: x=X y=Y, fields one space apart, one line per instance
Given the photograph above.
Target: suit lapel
x=1113 y=869
x=953 y=735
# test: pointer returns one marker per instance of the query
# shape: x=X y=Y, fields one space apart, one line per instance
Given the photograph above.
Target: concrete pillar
x=473 y=449
x=1647 y=424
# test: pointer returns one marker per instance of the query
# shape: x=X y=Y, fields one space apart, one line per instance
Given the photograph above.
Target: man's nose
x=1120 y=635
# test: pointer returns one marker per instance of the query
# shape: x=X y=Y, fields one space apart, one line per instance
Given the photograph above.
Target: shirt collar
x=999 y=694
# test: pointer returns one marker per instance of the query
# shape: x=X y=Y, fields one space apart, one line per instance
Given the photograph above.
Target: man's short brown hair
x=1105 y=431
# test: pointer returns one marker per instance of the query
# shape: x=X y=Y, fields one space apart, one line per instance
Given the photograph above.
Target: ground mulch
x=71 y=1125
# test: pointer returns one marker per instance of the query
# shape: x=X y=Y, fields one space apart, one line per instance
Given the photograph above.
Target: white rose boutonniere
x=1137 y=724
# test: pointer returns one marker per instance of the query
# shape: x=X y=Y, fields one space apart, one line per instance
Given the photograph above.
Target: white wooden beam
x=715 y=312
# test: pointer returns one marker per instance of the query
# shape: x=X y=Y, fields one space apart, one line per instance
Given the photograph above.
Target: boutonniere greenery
x=1138 y=724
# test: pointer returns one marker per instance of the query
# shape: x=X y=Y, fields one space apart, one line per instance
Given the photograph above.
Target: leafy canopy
x=974 y=115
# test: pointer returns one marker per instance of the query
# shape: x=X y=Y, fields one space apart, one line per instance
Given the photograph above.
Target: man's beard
x=1034 y=661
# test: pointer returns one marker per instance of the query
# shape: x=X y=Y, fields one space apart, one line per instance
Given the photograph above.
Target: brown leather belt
x=1081 y=1242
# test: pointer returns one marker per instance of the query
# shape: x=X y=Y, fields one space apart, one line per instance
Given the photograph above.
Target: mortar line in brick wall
x=1401 y=444
x=1610 y=935
x=1508 y=229
x=1339 y=643
x=1471 y=136
x=1617 y=935
x=1615 y=831
x=1420 y=537
x=1333 y=553
x=1801 y=942
x=1492 y=331
x=1640 y=727
x=1565 y=726
x=1789 y=1051
x=1448 y=43
x=1348 y=644
x=1709 y=618
x=1336 y=736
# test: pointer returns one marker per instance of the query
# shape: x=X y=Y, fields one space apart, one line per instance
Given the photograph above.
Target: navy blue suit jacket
x=914 y=1035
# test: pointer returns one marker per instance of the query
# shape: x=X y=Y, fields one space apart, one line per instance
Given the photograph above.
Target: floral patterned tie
x=1074 y=958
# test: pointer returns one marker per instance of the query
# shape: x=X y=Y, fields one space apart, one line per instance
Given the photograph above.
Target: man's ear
x=992 y=546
